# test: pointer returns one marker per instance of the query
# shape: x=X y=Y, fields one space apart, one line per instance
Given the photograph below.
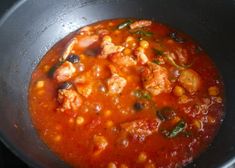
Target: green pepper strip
x=124 y=24
x=178 y=129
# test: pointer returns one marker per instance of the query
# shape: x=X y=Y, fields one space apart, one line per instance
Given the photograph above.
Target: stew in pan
x=126 y=93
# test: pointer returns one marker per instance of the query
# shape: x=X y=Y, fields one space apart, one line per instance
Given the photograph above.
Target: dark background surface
x=7 y=158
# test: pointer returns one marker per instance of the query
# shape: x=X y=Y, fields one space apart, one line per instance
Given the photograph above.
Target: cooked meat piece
x=100 y=144
x=69 y=100
x=141 y=57
x=102 y=32
x=86 y=41
x=140 y=23
x=182 y=55
x=140 y=129
x=64 y=72
x=190 y=80
x=123 y=60
x=84 y=89
x=155 y=79
x=69 y=48
x=109 y=48
x=116 y=84
x=87 y=30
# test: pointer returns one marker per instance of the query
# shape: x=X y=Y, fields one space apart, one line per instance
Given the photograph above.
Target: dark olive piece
x=176 y=38
x=65 y=85
x=73 y=58
x=138 y=106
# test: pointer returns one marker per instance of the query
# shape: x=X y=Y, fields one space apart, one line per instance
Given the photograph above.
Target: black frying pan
x=32 y=27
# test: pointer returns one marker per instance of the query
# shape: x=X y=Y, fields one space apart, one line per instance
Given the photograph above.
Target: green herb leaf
x=124 y=24
x=175 y=64
x=143 y=33
x=156 y=62
x=158 y=52
x=180 y=126
x=142 y=94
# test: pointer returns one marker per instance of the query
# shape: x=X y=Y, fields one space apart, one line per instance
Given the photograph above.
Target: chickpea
x=183 y=99
x=46 y=68
x=71 y=120
x=127 y=51
x=117 y=32
x=140 y=49
x=150 y=165
x=111 y=165
x=130 y=38
x=213 y=91
x=123 y=166
x=79 y=120
x=178 y=91
x=197 y=124
x=109 y=123
x=142 y=157
x=144 y=44
x=57 y=138
x=107 y=38
x=40 y=84
x=40 y=92
x=107 y=113
x=211 y=119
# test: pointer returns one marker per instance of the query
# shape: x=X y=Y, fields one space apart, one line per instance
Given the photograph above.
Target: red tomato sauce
x=126 y=93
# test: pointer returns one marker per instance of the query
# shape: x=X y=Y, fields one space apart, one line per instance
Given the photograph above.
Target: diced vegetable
x=124 y=24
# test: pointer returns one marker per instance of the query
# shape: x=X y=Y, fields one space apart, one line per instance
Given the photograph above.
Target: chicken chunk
x=140 y=129
x=116 y=84
x=155 y=79
x=84 y=89
x=86 y=41
x=64 y=72
x=69 y=48
x=69 y=100
x=109 y=48
x=123 y=60
x=190 y=80
x=140 y=24
x=141 y=57
x=100 y=144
